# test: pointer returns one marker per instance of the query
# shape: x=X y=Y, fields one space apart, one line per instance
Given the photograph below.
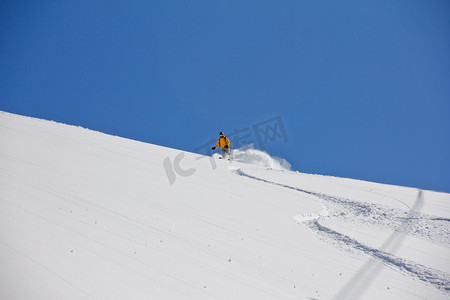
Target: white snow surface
x=85 y=215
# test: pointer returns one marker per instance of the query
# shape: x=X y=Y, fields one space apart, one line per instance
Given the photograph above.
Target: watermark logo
x=270 y=130
x=264 y=132
x=172 y=170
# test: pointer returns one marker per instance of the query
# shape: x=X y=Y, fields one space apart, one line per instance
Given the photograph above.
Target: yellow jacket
x=222 y=142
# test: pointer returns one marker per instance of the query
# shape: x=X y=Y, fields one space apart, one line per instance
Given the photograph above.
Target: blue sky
x=362 y=87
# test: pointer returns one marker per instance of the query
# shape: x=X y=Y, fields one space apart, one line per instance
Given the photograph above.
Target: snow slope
x=84 y=215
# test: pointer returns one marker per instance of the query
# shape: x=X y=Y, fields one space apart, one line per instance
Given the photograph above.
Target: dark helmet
x=221 y=133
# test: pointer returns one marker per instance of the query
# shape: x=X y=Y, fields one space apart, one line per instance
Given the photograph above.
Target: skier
x=224 y=144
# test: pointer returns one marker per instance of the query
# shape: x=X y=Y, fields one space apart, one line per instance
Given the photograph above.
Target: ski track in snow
x=410 y=222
